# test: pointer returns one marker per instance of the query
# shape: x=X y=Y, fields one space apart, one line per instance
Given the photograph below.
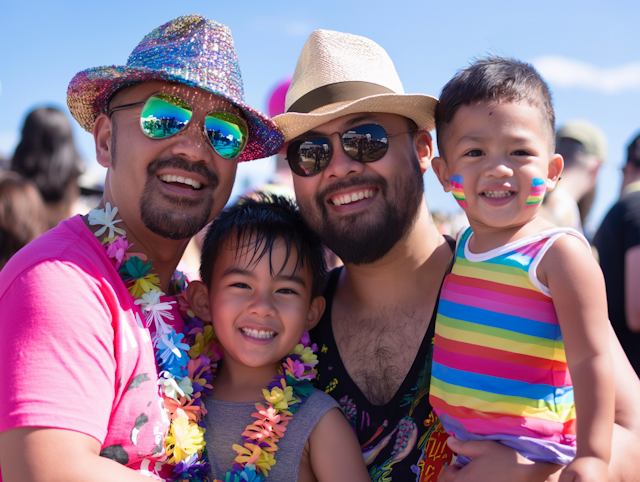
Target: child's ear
x=441 y=170
x=198 y=295
x=556 y=165
x=316 y=310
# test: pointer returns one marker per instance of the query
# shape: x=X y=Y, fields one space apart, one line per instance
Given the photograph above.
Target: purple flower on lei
x=189 y=469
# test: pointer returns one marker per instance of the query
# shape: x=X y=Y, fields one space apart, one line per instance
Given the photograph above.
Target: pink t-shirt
x=72 y=353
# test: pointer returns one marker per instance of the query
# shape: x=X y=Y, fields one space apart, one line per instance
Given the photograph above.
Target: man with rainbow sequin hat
x=358 y=147
x=104 y=364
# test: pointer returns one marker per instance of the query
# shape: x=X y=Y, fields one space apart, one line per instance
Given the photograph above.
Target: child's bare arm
x=577 y=288
x=334 y=450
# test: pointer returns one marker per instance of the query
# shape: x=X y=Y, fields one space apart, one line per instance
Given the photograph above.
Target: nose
x=498 y=167
x=341 y=165
x=262 y=305
x=191 y=143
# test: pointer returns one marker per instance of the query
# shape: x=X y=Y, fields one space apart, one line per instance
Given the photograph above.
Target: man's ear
x=198 y=296
x=102 y=132
x=316 y=310
x=556 y=165
x=423 y=143
x=441 y=170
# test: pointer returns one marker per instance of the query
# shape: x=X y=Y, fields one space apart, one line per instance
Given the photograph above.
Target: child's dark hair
x=269 y=218
x=494 y=79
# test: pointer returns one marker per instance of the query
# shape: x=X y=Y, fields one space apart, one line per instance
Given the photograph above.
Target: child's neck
x=485 y=238
x=239 y=383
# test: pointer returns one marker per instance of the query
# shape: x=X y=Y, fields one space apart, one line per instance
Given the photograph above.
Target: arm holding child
x=577 y=288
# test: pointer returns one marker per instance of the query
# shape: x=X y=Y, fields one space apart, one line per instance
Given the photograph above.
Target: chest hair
x=378 y=349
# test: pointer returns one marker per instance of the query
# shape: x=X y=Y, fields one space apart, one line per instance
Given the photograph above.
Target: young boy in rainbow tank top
x=521 y=341
x=262 y=270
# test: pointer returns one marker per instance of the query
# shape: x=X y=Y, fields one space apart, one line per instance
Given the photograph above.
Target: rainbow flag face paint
x=538 y=189
x=457 y=191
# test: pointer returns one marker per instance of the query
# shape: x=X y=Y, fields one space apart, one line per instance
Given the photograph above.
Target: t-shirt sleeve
x=631 y=221
x=56 y=351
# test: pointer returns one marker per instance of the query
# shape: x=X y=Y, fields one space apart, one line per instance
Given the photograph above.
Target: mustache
x=367 y=180
x=178 y=163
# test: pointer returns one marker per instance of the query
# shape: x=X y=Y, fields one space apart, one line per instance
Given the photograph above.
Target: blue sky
x=587 y=51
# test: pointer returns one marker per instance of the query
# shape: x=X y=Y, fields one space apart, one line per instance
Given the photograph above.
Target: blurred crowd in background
x=39 y=187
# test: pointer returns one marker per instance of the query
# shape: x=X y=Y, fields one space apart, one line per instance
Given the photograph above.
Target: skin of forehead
x=196 y=96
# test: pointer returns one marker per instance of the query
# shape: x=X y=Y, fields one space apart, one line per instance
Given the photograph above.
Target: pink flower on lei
x=118 y=250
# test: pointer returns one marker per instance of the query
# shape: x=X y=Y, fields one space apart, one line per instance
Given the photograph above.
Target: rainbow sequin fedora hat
x=190 y=50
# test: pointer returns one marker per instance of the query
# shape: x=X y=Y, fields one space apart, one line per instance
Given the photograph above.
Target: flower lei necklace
x=284 y=395
x=187 y=363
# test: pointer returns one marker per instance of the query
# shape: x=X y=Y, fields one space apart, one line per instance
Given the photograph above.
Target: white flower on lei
x=175 y=388
x=154 y=311
x=105 y=217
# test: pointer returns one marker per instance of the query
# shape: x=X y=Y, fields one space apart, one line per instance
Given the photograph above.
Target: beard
x=360 y=242
x=185 y=217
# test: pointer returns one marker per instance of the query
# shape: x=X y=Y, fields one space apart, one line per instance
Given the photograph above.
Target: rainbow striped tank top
x=499 y=367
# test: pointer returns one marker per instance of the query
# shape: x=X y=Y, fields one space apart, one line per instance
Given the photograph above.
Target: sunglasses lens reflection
x=365 y=143
x=164 y=115
x=228 y=134
x=310 y=156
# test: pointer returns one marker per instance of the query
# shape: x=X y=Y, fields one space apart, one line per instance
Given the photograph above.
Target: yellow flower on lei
x=253 y=454
x=279 y=398
x=184 y=439
x=202 y=345
x=144 y=285
x=307 y=355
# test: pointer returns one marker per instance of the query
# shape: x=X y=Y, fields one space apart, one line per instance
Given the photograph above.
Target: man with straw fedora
x=358 y=147
x=104 y=365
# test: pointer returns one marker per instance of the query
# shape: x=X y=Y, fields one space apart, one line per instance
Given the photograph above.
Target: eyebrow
x=279 y=277
x=478 y=138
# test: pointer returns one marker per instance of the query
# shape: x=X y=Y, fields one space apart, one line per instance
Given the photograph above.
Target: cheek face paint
x=538 y=189
x=457 y=191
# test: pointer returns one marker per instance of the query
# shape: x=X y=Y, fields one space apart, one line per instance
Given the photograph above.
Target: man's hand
x=586 y=469
x=494 y=462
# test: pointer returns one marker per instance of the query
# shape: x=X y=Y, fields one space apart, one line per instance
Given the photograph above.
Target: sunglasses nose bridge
x=340 y=164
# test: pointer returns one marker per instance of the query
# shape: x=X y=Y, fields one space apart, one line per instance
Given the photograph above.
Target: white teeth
x=180 y=179
x=260 y=335
x=349 y=198
x=497 y=194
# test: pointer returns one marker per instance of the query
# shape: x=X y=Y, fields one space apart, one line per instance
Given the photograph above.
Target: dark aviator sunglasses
x=365 y=143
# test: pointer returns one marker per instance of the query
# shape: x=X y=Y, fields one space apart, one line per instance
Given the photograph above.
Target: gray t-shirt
x=227 y=420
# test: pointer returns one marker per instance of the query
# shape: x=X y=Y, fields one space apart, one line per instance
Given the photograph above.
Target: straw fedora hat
x=339 y=74
x=190 y=50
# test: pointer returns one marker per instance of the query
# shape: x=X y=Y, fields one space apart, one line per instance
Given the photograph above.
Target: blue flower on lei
x=172 y=354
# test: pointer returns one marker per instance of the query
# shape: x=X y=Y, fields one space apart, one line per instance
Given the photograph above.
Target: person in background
x=584 y=148
x=22 y=214
x=618 y=244
x=47 y=155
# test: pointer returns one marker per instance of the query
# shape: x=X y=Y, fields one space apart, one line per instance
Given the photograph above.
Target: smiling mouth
x=184 y=182
x=498 y=194
x=353 y=197
x=258 y=334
